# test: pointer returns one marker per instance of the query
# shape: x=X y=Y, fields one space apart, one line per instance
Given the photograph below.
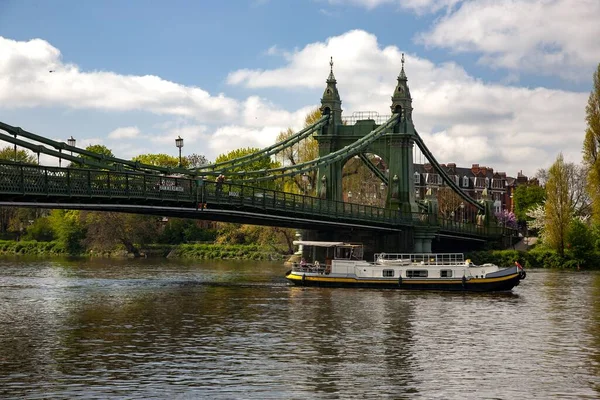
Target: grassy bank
x=22 y=247
x=190 y=251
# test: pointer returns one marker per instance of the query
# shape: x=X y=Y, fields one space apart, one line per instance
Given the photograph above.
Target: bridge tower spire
x=331 y=104
x=401 y=148
x=401 y=100
x=330 y=177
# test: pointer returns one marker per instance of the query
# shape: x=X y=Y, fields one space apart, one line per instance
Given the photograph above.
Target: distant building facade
x=473 y=181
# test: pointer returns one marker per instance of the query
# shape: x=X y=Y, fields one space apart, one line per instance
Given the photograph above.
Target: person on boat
x=303 y=262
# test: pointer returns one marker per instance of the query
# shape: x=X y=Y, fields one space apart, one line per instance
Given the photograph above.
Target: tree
x=96 y=148
x=22 y=156
x=9 y=214
x=580 y=240
x=306 y=150
x=558 y=208
x=195 y=160
x=527 y=197
x=106 y=229
x=69 y=230
x=591 y=146
x=161 y=160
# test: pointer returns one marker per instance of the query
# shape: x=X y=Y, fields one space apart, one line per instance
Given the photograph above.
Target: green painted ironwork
x=33 y=183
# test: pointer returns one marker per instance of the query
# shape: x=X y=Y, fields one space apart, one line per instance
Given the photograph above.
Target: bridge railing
x=81 y=184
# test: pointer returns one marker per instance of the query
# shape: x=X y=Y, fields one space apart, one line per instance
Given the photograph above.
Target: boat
x=340 y=264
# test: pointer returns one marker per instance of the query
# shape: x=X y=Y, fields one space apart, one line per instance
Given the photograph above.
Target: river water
x=143 y=329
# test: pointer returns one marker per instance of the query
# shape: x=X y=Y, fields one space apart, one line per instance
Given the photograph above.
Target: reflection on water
x=162 y=329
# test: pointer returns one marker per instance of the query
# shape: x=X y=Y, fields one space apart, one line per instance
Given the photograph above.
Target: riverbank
x=204 y=251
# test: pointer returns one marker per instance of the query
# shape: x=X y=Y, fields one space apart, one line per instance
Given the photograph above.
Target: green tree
x=161 y=160
x=23 y=156
x=105 y=230
x=195 y=160
x=306 y=150
x=558 y=207
x=580 y=240
x=98 y=149
x=9 y=215
x=527 y=197
x=69 y=230
x=591 y=146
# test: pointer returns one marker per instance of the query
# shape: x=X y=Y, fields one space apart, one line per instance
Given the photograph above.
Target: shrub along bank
x=535 y=258
x=193 y=251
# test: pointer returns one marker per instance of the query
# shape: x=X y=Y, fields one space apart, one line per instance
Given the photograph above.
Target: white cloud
x=549 y=37
x=33 y=75
x=125 y=132
x=461 y=119
x=419 y=6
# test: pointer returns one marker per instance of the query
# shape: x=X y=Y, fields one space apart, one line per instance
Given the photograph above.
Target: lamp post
x=349 y=196
x=71 y=142
x=462 y=211
x=179 y=144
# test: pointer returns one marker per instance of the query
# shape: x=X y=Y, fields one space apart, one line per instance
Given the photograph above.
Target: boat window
x=416 y=273
x=388 y=272
x=446 y=273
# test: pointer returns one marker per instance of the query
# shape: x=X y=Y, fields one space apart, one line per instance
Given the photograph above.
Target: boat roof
x=323 y=244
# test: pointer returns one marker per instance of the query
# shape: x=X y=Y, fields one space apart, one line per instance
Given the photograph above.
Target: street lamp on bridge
x=179 y=144
x=71 y=142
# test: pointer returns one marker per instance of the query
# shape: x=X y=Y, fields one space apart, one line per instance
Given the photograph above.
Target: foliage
x=195 y=160
x=30 y=247
x=278 y=239
x=558 y=206
x=226 y=252
x=40 y=230
x=69 y=230
x=580 y=240
x=179 y=230
x=306 y=150
x=262 y=162
x=108 y=229
x=161 y=160
x=506 y=218
x=591 y=145
x=95 y=148
x=22 y=156
x=527 y=197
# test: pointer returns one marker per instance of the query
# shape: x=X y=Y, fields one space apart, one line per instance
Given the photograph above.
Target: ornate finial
x=331 y=77
x=402 y=73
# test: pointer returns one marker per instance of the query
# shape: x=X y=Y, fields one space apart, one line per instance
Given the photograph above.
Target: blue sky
x=500 y=83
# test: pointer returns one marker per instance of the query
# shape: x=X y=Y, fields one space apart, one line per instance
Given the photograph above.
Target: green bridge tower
x=395 y=148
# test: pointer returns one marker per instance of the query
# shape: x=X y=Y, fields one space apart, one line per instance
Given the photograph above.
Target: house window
x=388 y=273
x=457 y=180
x=446 y=273
x=479 y=182
x=465 y=181
x=417 y=177
x=433 y=179
x=416 y=273
x=497 y=183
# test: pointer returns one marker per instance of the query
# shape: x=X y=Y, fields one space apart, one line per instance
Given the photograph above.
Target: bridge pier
x=422 y=238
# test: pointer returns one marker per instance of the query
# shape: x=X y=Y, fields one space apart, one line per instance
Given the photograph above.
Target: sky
x=500 y=83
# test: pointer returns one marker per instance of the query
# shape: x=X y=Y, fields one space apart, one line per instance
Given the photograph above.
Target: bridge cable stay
x=308 y=166
x=267 y=151
x=41 y=149
x=17 y=131
x=376 y=171
x=449 y=181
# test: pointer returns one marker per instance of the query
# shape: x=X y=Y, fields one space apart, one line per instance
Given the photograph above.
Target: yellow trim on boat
x=405 y=281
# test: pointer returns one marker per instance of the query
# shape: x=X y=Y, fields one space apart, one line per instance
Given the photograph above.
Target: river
x=154 y=328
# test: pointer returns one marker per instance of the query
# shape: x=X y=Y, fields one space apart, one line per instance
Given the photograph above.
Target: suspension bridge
x=399 y=222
